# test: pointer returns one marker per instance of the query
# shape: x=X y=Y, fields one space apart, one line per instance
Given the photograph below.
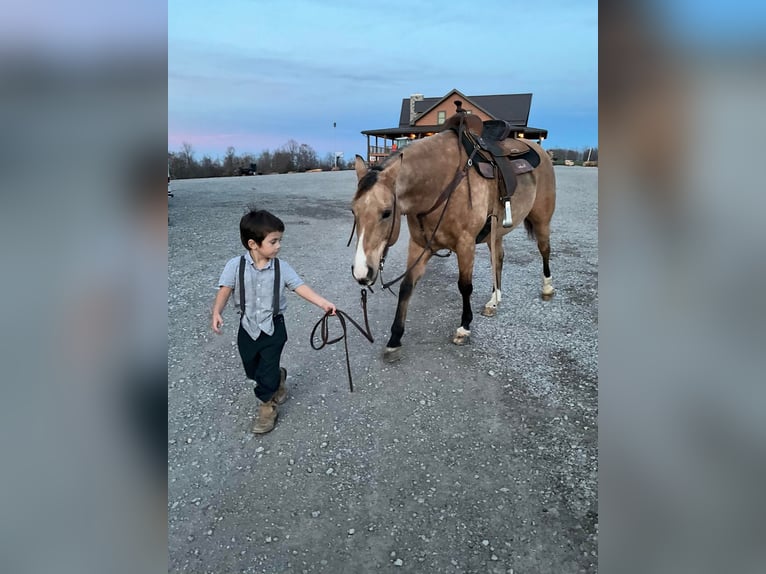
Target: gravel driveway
x=480 y=458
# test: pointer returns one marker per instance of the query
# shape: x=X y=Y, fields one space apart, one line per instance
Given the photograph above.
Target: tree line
x=291 y=157
x=560 y=155
x=295 y=157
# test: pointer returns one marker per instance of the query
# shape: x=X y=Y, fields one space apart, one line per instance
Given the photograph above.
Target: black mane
x=370 y=178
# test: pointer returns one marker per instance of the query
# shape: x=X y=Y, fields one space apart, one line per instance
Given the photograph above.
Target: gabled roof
x=513 y=108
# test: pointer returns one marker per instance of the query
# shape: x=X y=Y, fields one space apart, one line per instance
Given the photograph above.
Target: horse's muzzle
x=367 y=280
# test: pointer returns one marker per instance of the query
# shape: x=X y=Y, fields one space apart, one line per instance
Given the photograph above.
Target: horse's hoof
x=392 y=354
x=489 y=311
x=461 y=340
x=462 y=336
x=547 y=296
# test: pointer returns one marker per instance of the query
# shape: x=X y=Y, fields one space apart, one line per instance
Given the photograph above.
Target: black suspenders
x=277 y=286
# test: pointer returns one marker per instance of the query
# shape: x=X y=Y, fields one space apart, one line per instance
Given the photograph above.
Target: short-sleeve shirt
x=259 y=292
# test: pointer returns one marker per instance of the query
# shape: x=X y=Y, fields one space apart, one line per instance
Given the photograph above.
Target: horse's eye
x=386 y=214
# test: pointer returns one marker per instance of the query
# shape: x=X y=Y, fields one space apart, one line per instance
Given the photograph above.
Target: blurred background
x=83 y=246
x=681 y=384
x=83 y=238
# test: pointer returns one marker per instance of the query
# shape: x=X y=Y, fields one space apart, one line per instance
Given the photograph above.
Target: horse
x=415 y=183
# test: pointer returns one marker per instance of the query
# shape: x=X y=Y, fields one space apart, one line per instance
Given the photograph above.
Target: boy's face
x=270 y=245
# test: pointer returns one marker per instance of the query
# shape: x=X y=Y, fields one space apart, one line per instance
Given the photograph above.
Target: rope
x=342 y=316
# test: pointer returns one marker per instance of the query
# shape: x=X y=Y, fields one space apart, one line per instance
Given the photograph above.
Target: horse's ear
x=360 y=167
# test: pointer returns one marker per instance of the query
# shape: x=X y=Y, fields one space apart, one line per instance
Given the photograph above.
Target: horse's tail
x=529 y=226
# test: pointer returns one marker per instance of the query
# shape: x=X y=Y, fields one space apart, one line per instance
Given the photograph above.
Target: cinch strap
x=242 y=287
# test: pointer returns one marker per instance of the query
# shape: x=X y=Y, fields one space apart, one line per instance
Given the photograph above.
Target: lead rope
x=342 y=316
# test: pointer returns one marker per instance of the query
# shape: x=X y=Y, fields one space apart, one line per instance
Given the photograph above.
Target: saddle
x=488 y=146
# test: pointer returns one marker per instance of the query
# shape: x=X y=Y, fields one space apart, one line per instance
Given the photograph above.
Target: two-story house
x=422 y=117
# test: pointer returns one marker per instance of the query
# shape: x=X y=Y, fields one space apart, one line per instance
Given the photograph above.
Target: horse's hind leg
x=416 y=270
x=542 y=232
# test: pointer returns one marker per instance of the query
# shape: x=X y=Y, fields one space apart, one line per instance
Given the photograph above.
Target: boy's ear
x=251 y=244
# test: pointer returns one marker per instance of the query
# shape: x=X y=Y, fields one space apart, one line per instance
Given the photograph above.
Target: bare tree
x=230 y=161
x=307 y=158
x=187 y=154
x=265 y=162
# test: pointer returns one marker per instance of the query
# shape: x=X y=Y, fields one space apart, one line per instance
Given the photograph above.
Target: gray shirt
x=259 y=292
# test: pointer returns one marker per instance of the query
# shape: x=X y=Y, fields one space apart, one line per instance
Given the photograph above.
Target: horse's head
x=377 y=217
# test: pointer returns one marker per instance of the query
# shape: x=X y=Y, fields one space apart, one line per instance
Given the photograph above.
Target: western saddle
x=488 y=147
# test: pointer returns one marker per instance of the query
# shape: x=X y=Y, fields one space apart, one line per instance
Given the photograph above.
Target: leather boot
x=267 y=417
x=281 y=395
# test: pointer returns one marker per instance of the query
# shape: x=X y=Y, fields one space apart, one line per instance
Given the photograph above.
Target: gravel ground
x=480 y=458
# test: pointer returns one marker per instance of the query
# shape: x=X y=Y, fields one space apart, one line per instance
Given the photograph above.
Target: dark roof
x=513 y=108
x=510 y=107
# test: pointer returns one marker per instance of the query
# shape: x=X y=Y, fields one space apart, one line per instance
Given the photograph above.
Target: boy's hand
x=328 y=308
x=217 y=323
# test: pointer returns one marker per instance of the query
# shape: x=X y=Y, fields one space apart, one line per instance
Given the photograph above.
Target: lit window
x=441 y=117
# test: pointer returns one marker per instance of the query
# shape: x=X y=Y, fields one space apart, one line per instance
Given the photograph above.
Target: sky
x=255 y=74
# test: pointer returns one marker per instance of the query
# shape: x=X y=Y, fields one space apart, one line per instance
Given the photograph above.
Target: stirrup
x=507 y=220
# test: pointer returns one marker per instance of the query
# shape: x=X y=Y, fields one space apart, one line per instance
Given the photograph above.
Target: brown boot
x=281 y=395
x=267 y=417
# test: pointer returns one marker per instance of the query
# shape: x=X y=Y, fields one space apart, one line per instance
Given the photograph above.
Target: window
x=441 y=117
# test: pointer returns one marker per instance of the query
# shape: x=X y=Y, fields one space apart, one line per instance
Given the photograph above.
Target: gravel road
x=480 y=458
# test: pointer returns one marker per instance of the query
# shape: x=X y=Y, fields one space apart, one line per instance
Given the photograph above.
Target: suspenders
x=242 y=287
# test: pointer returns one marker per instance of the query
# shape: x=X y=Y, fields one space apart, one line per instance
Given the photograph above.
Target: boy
x=262 y=334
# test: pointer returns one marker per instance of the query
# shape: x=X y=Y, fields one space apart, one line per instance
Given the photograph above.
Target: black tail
x=528 y=225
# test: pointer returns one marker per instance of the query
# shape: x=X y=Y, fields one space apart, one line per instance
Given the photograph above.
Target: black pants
x=261 y=358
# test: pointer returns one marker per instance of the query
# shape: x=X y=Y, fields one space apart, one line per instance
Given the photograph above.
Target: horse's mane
x=371 y=177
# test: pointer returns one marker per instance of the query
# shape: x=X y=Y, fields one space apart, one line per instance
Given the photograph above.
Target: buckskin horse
x=450 y=205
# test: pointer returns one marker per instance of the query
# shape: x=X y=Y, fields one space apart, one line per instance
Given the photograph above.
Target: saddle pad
x=510 y=147
x=520 y=166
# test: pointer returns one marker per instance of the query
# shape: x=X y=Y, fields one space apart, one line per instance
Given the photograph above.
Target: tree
x=187 y=154
x=265 y=162
x=282 y=161
x=306 y=159
x=230 y=161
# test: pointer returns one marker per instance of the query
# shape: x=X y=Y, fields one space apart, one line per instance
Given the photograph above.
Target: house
x=422 y=117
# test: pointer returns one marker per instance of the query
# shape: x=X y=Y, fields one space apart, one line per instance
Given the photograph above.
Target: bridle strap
x=350 y=237
x=342 y=316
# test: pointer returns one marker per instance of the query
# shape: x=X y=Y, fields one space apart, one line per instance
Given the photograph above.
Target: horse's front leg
x=497 y=252
x=465 y=256
x=416 y=269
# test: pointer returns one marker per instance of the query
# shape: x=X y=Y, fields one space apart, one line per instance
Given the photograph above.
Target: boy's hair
x=256 y=224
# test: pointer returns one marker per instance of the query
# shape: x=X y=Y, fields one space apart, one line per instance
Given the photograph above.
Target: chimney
x=414 y=98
